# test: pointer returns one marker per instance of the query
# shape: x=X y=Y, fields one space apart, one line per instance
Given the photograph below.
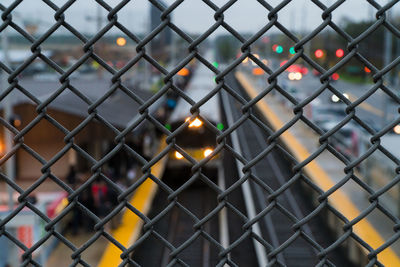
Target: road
x=370 y=111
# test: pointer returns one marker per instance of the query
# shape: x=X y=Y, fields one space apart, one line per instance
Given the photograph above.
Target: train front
x=196 y=135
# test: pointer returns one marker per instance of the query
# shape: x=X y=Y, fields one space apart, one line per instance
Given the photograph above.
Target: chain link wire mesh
x=88 y=47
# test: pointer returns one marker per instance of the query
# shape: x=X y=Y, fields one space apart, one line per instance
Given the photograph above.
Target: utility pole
x=307 y=46
x=98 y=17
x=7 y=113
x=146 y=71
x=99 y=21
x=387 y=58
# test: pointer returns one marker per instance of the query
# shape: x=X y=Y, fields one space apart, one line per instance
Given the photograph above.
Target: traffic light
x=291 y=51
x=339 y=52
x=183 y=72
x=319 y=53
x=258 y=71
x=277 y=48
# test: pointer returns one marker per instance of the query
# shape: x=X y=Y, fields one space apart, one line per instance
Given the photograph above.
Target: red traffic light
x=335 y=76
x=319 y=53
x=339 y=53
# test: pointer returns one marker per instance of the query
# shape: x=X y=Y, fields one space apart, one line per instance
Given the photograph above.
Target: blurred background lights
x=319 y=53
x=339 y=53
x=279 y=49
x=121 y=41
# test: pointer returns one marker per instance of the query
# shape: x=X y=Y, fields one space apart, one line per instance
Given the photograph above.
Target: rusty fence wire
x=247 y=107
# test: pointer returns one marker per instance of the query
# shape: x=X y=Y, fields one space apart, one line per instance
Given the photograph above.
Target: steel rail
x=249 y=201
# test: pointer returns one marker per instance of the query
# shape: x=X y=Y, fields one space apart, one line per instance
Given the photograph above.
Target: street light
x=121 y=41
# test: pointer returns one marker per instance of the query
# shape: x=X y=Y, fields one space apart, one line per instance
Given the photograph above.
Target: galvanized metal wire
x=248 y=114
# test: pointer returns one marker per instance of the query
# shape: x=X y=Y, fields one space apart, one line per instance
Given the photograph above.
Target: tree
x=226 y=48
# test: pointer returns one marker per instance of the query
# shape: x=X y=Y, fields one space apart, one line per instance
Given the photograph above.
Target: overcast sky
x=194 y=16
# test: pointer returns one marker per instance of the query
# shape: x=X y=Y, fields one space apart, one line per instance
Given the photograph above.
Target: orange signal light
x=183 y=72
x=367 y=70
x=258 y=71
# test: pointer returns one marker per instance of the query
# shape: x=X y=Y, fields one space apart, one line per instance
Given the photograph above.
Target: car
x=345 y=140
x=336 y=99
x=321 y=114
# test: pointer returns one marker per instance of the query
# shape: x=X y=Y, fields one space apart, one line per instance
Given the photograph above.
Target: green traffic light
x=279 y=49
x=291 y=51
x=220 y=126
x=215 y=63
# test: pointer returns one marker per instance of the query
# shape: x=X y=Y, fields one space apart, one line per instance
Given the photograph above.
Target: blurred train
x=197 y=139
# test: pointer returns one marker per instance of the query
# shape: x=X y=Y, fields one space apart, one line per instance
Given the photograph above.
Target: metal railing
x=89 y=52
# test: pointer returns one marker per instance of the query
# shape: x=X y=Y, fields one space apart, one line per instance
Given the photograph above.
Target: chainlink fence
x=91 y=50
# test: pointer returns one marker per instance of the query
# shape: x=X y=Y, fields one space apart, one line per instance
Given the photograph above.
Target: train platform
x=61 y=256
x=46 y=186
x=326 y=171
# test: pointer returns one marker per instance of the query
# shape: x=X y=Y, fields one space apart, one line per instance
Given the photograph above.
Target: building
x=67 y=109
x=160 y=45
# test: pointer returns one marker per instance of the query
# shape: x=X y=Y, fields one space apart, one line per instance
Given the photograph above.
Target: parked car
x=321 y=114
x=346 y=140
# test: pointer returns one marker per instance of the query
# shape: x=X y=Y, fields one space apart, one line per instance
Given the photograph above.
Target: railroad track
x=276 y=226
x=177 y=227
x=181 y=229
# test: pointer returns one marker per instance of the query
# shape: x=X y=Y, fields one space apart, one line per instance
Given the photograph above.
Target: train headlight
x=196 y=123
x=207 y=152
x=178 y=155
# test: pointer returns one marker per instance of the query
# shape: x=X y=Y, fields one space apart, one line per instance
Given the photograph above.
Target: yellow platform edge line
x=338 y=200
x=128 y=232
